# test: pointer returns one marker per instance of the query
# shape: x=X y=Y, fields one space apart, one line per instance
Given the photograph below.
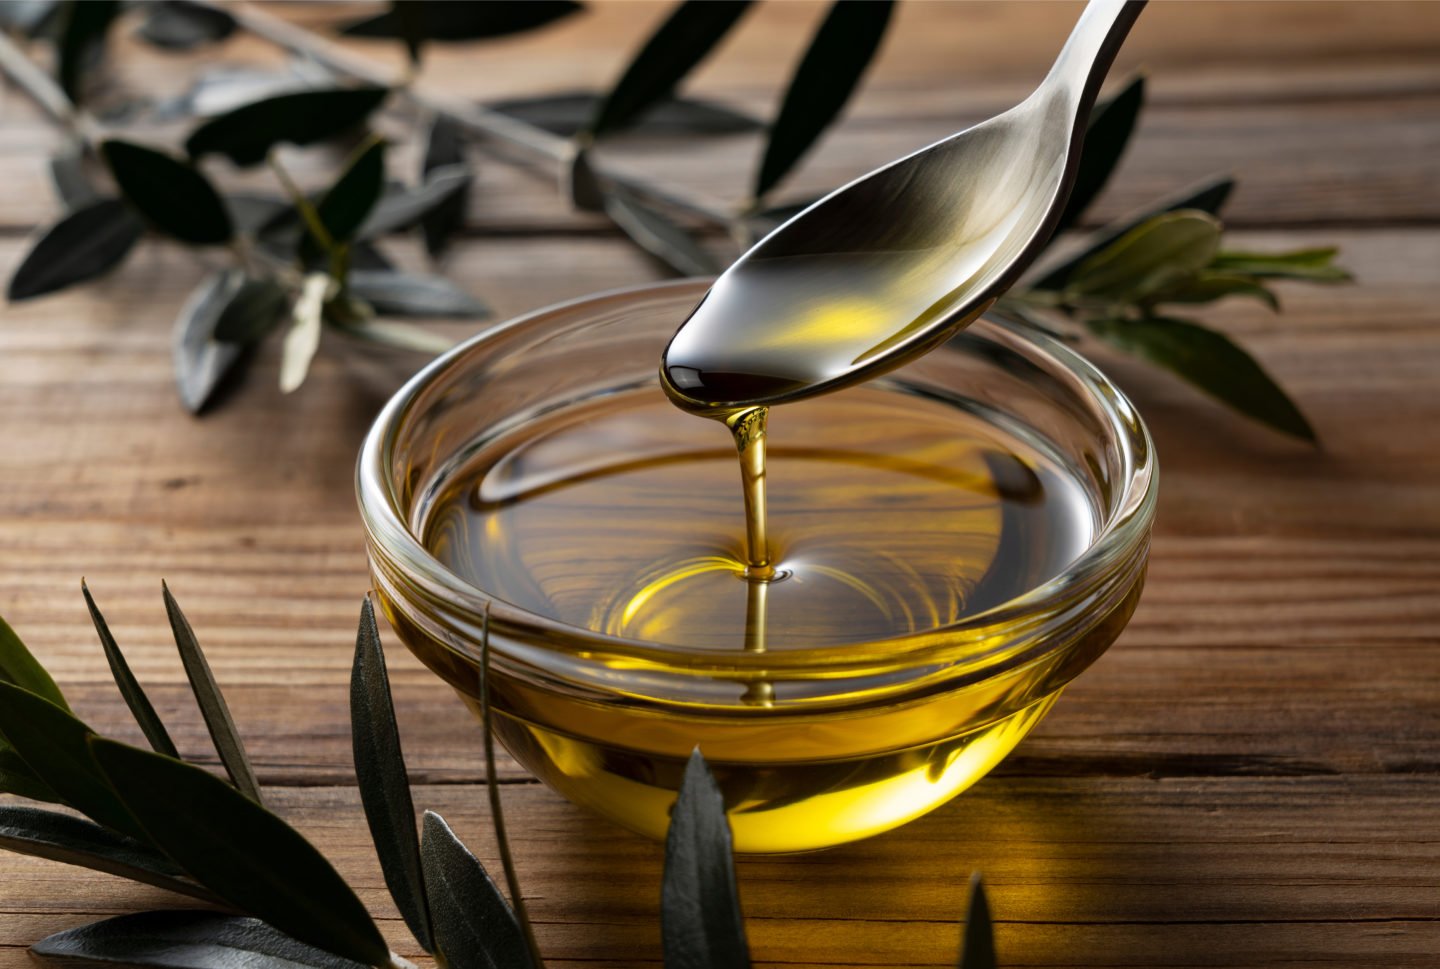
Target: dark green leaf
x=1212 y=363
x=402 y=208
x=1208 y=197
x=172 y=195
x=213 y=707
x=20 y=667
x=71 y=179
x=700 y=920
x=405 y=294
x=86 y=243
x=247 y=134
x=201 y=363
x=16 y=777
x=1156 y=254
x=672 y=52
x=582 y=185
x=350 y=200
x=130 y=688
x=1313 y=265
x=444 y=152
x=448 y=21
x=475 y=927
x=179 y=25
x=82 y=42
x=53 y=744
x=1111 y=125
x=654 y=232
x=977 y=948
x=256 y=308
x=568 y=114
x=828 y=74
x=1207 y=287
x=74 y=841
x=183 y=940
x=384 y=784
x=241 y=852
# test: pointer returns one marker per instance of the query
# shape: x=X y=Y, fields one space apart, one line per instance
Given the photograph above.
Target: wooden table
x=1251 y=776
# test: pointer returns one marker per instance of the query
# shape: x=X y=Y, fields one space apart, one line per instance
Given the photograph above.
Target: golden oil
x=891 y=512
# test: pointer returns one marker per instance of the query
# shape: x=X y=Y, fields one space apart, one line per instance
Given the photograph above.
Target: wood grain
x=1249 y=777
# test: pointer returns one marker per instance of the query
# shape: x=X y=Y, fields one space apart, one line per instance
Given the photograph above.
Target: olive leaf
x=1211 y=362
x=241 y=852
x=475 y=928
x=181 y=26
x=826 y=78
x=256 y=308
x=977 y=947
x=349 y=201
x=700 y=920
x=568 y=113
x=408 y=294
x=1209 y=196
x=82 y=42
x=75 y=841
x=1157 y=253
x=53 y=745
x=71 y=179
x=672 y=52
x=654 y=232
x=184 y=940
x=303 y=337
x=1106 y=136
x=201 y=363
x=18 y=666
x=86 y=243
x=384 y=784
x=16 y=777
x=130 y=688
x=1207 y=287
x=444 y=159
x=453 y=22
x=401 y=208
x=1311 y=265
x=172 y=195
x=246 y=134
x=213 y=708
x=581 y=184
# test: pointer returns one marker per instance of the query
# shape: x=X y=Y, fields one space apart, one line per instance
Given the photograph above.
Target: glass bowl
x=850 y=741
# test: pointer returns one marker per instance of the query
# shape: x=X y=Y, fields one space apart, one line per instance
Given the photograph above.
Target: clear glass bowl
x=857 y=740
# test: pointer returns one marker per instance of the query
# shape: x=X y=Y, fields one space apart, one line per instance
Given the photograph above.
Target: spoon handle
x=1086 y=56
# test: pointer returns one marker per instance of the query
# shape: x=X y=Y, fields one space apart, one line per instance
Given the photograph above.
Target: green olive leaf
x=1311 y=265
x=672 y=52
x=444 y=159
x=977 y=947
x=349 y=201
x=53 y=744
x=1106 y=136
x=302 y=340
x=16 y=777
x=183 y=940
x=246 y=134
x=410 y=294
x=81 y=44
x=201 y=363
x=130 y=688
x=1209 y=196
x=568 y=113
x=256 y=308
x=401 y=208
x=213 y=708
x=180 y=25
x=654 y=232
x=828 y=74
x=1211 y=362
x=453 y=22
x=241 y=852
x=700 y=920
x=172 y=195
x=19 y=666
x=75 y=841
x=87 y=243
x=475 y=928
x=384 y=784
x=1157 y=253
x=1207 y=287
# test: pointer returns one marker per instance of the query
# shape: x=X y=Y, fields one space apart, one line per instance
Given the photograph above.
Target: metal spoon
x=888 y=267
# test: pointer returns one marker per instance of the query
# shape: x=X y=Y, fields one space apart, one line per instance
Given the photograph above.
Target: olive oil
x=891 y=513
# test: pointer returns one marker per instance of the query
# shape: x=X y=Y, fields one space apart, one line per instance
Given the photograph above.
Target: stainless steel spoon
x=888 y=267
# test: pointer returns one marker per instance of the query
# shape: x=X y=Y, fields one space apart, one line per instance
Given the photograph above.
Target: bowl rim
x=1123 y=536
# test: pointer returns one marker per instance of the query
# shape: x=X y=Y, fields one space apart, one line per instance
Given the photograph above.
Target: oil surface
x=889 y=513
